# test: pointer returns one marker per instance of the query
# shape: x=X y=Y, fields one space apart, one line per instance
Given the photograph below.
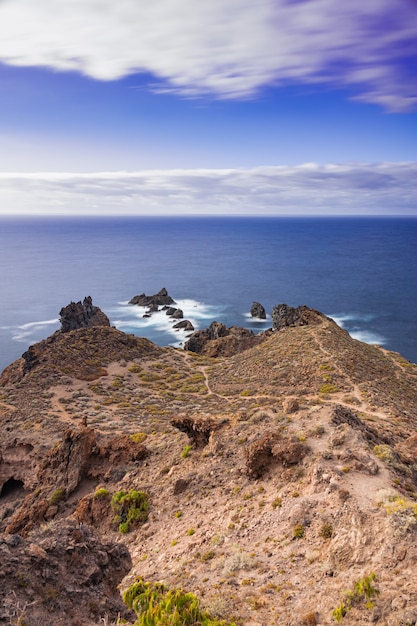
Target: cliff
x=276 y=481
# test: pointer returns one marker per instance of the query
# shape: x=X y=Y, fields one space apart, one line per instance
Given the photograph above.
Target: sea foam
x=29 y=330
x=354 y=324
x=128 y=317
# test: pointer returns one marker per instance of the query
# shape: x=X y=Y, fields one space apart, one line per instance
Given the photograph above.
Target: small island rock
x=158 y=299
x=257 y=310
x=184 y=325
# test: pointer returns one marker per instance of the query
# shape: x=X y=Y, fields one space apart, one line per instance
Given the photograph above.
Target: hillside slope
x=277 y=478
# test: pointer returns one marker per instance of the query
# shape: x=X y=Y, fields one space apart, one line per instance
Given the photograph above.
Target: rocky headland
x=273 y=476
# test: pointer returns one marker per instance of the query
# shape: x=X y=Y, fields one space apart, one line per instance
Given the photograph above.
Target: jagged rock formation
x=153 y=302
x=82 y=315
x=217 y=340
x=284 y=315
x=199 y=430
x=258 y=311
x=79 y=457
x=279 y=477
x=272 y=448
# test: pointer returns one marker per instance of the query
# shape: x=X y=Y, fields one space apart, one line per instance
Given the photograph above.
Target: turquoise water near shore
x=360 y=271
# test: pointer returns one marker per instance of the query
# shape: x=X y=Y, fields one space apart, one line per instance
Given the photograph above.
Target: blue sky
x=228 y=107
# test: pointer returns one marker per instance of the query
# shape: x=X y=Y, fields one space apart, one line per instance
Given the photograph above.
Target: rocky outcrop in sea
x=258 y=311
x=158 y=299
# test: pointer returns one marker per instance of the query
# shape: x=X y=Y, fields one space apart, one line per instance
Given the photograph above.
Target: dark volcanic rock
x=158 y=299
x=31 y=359
x=257 y=310
x=199 y=338
x=82 y=315
x=218 y=340
x=198 y=429
x=170 y=310
x=184 y=325
x=343 y=415
x=284 y=315
x=270 y=449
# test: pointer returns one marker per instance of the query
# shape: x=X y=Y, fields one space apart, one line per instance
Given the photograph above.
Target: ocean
x=360 y=271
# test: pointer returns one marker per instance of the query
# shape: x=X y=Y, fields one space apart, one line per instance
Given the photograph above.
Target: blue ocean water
x=360 y=271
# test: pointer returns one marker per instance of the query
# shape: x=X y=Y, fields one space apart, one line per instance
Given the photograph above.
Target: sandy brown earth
x=305 y=484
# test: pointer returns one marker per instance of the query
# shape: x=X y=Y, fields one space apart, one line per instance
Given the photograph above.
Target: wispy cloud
x=310 y=189
x=224 y=48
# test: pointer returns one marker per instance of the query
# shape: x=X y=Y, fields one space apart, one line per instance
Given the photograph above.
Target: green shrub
x=328 y=388
x=326 y=531
x=385 y=453
x=339 y=612
x=135 y=368
x=156 y=605
x=58 y=495
x=393 y=502
x=186 y=452
x=102 y=493
x=131 y=509
x=298 y=531
x=124 y=527
x=363 y=593
x=138 y=437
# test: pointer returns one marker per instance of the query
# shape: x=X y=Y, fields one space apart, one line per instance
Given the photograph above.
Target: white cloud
x=309 y=189
x=226 y=48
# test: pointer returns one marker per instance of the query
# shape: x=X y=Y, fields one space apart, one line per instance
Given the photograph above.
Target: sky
x=266 y=107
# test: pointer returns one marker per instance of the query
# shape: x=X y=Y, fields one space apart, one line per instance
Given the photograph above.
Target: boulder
x=257 y=310
x=82 y=315
x=184 y=325
x=271 y=449
x=290 y=405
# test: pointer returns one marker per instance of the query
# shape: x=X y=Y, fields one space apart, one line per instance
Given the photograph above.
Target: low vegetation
x=131 y=509
x=156 y=605
x=363 y=593
x=269 y=538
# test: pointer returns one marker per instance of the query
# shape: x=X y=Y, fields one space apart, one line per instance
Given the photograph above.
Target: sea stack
x=257 y=310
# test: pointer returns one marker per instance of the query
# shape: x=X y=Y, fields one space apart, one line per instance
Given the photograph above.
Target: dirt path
x=363 y=405
x=7 y=406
